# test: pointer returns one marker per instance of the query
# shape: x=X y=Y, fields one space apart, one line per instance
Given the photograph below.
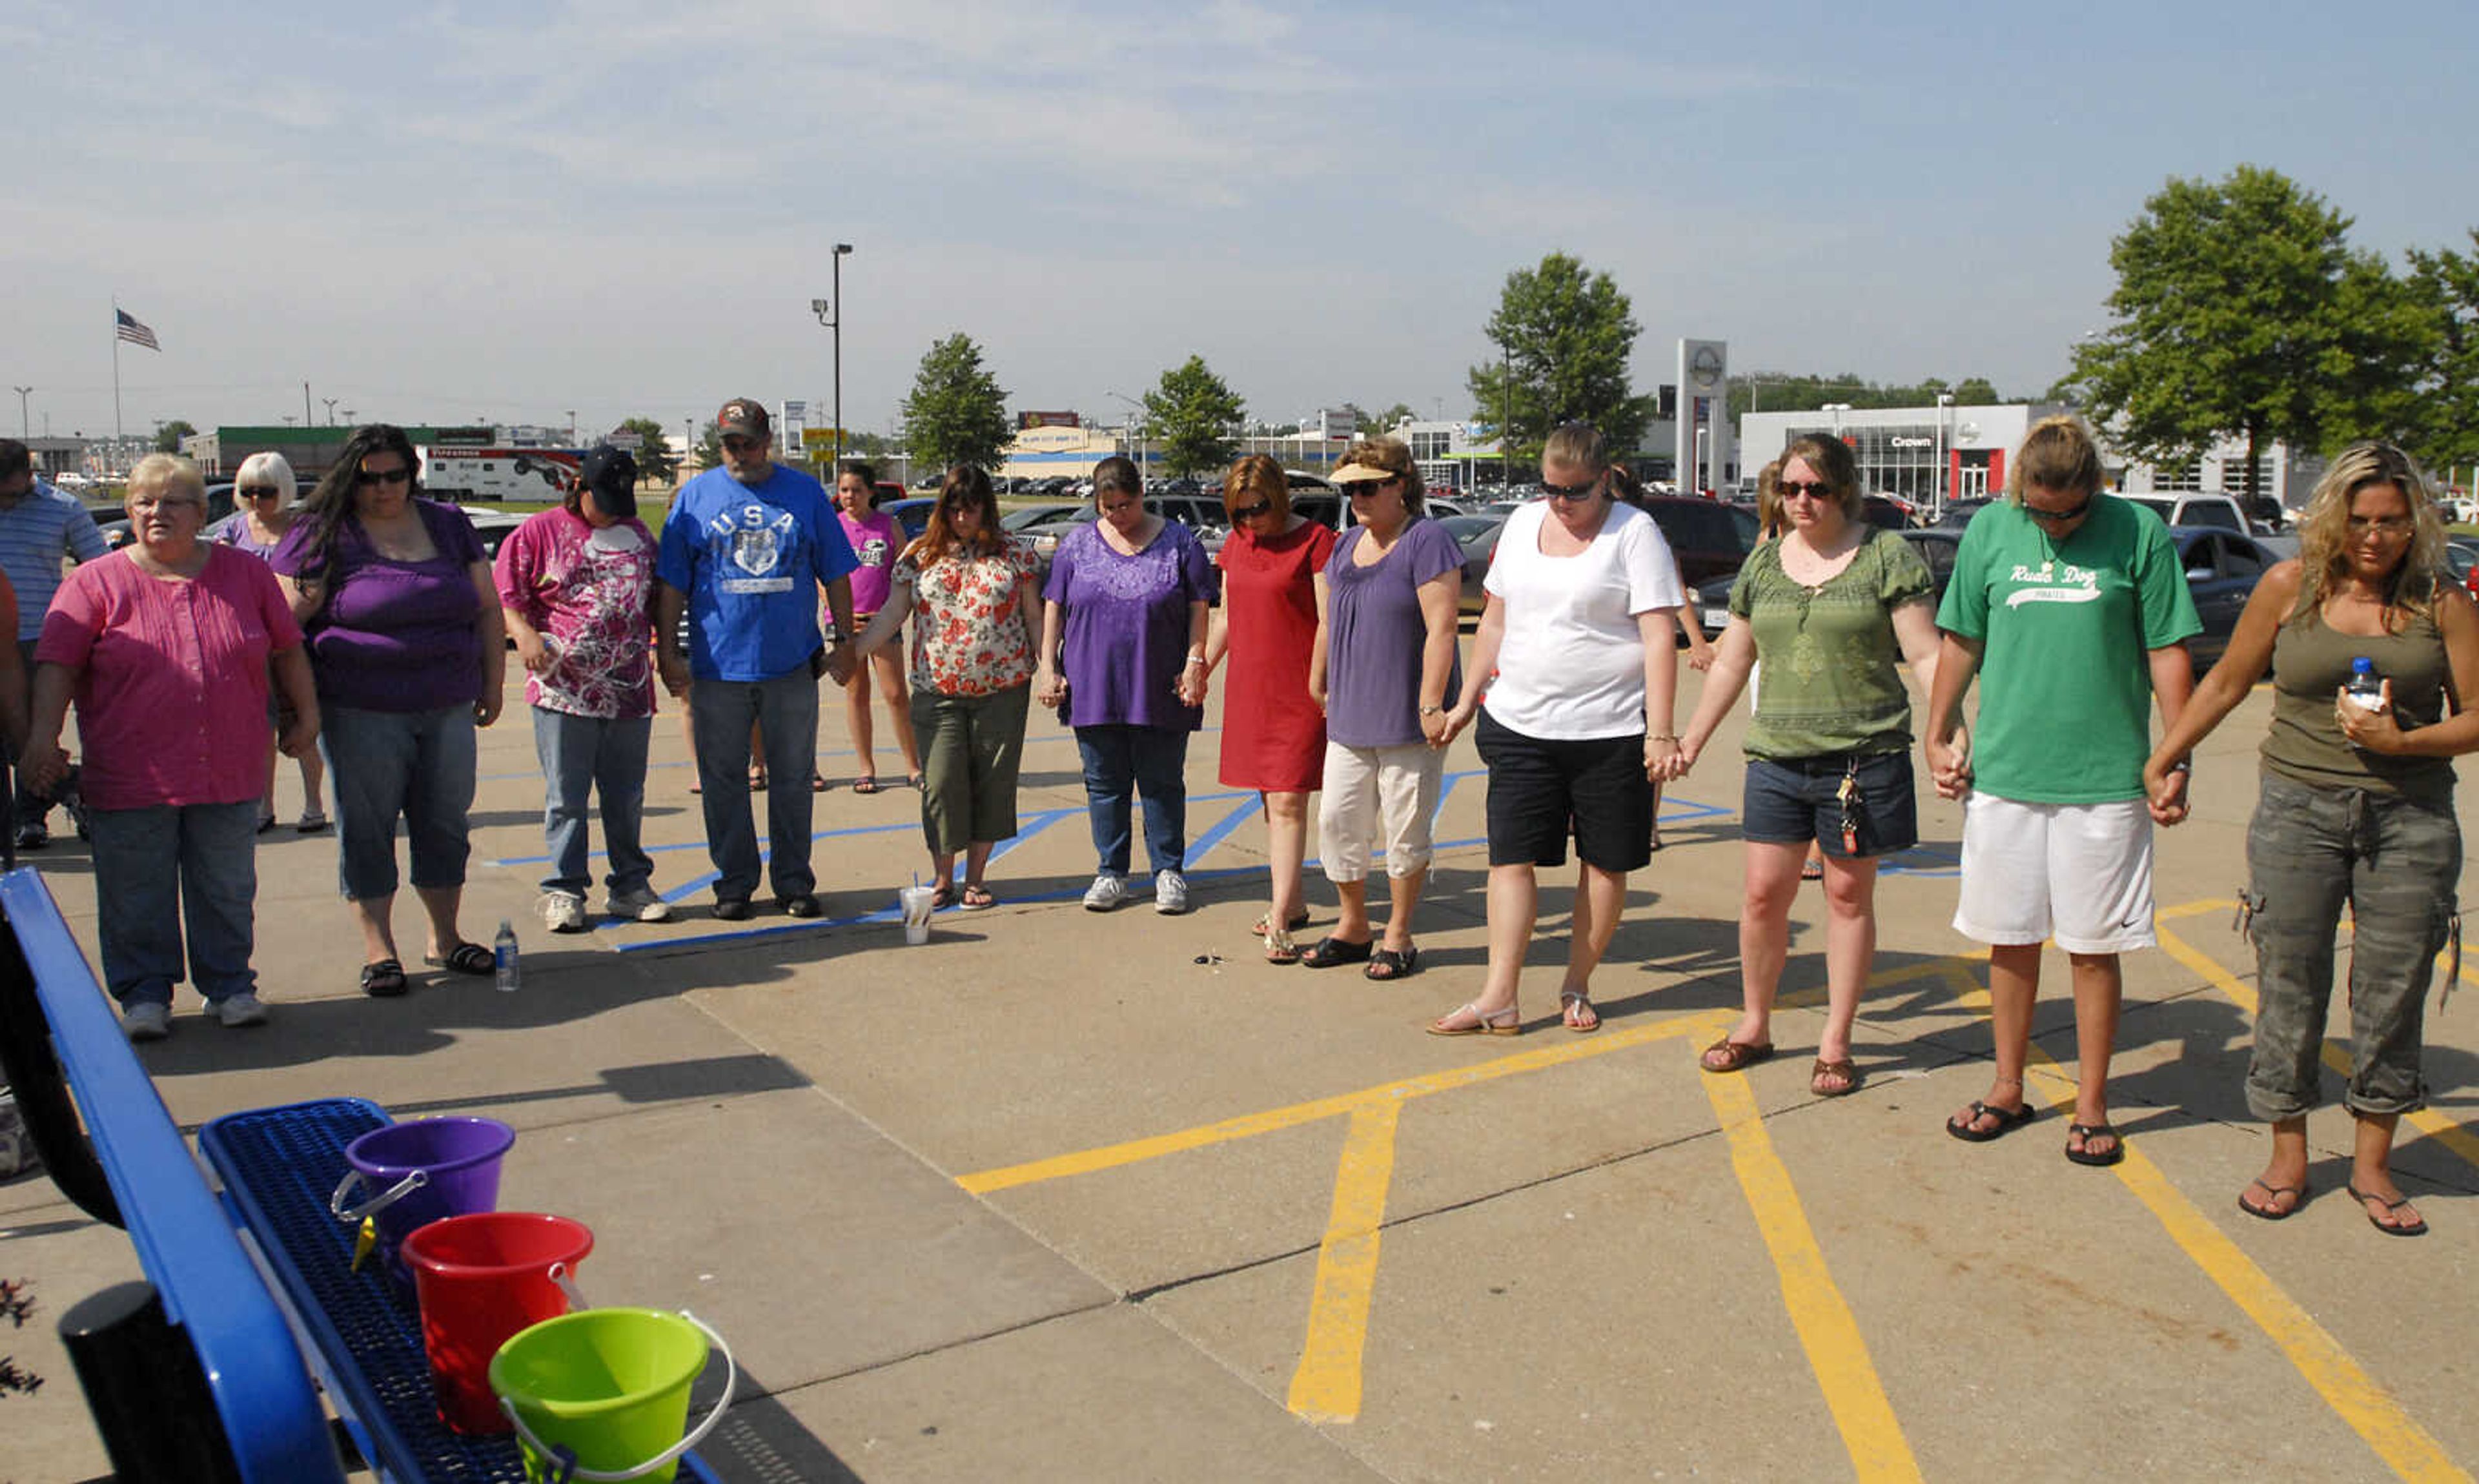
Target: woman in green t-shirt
x=1834 y=609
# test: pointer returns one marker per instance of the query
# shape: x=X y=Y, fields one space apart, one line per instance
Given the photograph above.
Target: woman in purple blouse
x=1129 y=595
x=410 y=654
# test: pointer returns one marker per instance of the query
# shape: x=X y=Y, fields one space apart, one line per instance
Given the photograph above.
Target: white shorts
x=1377 y=795
x=2080 y=873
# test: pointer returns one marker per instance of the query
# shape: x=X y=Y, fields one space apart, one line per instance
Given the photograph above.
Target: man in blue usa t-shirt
x=745 y=551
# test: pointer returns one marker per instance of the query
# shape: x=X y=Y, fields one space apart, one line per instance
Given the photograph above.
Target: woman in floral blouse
x=972 y=671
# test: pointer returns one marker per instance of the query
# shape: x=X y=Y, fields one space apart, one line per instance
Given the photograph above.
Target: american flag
x=131 y=330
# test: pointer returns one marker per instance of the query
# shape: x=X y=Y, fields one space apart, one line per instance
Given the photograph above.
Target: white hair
x=268 y=468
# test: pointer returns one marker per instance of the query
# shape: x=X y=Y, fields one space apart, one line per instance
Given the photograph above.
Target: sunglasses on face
x=257 y=491
x=1251 y=512
x=2381 y=526
x=1585 y=491
x=367 y=477
x=1812 y=489
x=1366 y=486
x=2072 y=512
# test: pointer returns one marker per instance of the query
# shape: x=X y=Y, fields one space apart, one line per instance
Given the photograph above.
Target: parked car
x=1708 y=539
x=1958 y=513
x=2222 y=569
x=911 y=513
x=1025 y=516
x=2217 y=511
x=1935 y=545
x=1477 y=535
x=219 y=504
x=493 y=524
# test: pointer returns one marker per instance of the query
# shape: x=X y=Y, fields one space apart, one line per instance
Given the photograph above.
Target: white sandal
x=1482 y=1024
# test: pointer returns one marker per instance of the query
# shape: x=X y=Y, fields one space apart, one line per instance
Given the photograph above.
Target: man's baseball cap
x=611 y=474
x=741 y=415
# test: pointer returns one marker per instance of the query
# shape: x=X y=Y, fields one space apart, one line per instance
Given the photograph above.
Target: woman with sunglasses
x=1384 y=667
x=2354 y=806
x=1274 y=731
x=1834 y=609
x=263 y=489
x=1576 y=656
x=974 y=595
x=2073 y=611
x=410 y=654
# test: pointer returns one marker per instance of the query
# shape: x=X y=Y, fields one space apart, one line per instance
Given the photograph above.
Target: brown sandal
x=1736 y=1056
x=1844 y=1068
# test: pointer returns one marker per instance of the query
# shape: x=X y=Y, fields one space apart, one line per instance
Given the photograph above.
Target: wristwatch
x=835 y=634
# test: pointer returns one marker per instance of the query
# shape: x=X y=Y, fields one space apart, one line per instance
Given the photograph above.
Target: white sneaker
x=240 y=1009
x=147 y=1020
x=638 y=905
x=563 y=911
x=1170 y=894
x=1107 y=892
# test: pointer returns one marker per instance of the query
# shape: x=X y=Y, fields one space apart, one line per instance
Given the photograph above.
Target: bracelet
x=1433 y=710
x=2182 y=765
x=1661 y=736
x=1194 y=659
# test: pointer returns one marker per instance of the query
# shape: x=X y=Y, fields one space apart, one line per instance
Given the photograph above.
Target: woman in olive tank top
x=2356 y=808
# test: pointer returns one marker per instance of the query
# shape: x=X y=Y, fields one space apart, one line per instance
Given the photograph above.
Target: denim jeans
x=158 y=869
x=607 y=757
x=2397 y=862
x=385 y=764
x=972 y=749
x=1121 y=761
x=719 y=712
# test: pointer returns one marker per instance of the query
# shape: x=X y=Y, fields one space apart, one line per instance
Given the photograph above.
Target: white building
x=1927 y=455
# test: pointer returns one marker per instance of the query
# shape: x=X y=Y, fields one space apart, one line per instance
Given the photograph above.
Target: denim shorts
x=1791 y=801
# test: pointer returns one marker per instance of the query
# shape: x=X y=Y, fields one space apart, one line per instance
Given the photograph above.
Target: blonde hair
x=2058 y=453
x=268 y=468
x=1577 y=445
x=1257 y=474
x=160 y=473
x=2324 y=532
x=1769 y=498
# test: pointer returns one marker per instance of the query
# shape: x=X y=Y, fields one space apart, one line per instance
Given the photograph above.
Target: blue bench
x=212 y=1369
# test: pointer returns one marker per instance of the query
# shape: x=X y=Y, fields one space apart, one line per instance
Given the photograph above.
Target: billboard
x=1026 y=419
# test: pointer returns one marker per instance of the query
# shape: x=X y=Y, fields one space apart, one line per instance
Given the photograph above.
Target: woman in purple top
x=262 y=490
x=1129 y=594
x=1384 y=665
x=410 y=655
x=876 y=540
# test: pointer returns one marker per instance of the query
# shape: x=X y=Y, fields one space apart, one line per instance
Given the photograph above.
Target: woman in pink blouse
x=165 y=647
x=874 y=539
x=975 y=591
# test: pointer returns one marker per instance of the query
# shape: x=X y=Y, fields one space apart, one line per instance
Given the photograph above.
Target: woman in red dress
x=1273 y=732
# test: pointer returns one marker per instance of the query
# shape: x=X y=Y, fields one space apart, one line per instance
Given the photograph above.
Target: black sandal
x=465 y=959
x=1385 y=964
x=383 y=980
x=1331 y=951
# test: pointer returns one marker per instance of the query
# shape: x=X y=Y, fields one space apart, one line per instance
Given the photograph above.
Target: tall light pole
x=1136 y=451
x=1942 y=486
x=331 y=403
x=571 y=427
x=24 y=423
x=830 y=313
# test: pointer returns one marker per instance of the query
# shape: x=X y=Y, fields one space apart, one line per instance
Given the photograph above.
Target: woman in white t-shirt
x=1576 y=657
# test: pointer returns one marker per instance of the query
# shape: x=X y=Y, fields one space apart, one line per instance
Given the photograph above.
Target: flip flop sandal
x=1279 y=947
x=1844 y=1068
x=864 y=785
x=977 y=898
x=383 y=980
x=2368 y=1198
x=942 y=896
x=756 y=780
x=1396 y=965
x=2008 y=1120
x=1736 y=1056
x=1331 y=951
x=465 y=959
x=817 y=782
x=1811 y=870
x=912 y=781
x=1569 y=1004
x=2276 y=1191
x=1258 y=928
x=2087 y=1132
x=1505 y=1022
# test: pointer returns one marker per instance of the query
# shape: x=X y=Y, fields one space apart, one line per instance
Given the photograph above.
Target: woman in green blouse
x=1833 y=608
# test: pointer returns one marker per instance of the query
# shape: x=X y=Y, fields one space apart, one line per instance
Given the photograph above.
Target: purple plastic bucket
x=419 y=1171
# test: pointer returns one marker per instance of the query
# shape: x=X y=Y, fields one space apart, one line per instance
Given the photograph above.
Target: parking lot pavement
x=1064 y=1194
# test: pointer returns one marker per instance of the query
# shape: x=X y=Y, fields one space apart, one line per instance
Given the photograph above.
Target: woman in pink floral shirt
x=971 y=671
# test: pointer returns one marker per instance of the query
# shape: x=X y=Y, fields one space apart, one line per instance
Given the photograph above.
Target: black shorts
x=1791 y=801
x=1540 y=789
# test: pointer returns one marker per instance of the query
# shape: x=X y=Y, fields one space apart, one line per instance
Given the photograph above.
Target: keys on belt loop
x=2453 y=963
x=1847 y=794
x=2242 y=923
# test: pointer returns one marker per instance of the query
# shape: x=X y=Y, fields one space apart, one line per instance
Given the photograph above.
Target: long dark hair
x=331 y=503
x=965 y=485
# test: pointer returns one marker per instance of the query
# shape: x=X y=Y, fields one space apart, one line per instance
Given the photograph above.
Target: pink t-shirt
x=591 y=594
x=876 y=540
x=171 y=705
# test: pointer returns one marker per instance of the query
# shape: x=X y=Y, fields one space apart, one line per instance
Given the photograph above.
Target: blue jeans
x=582 y=754
x=385 y=764
x=719 y=712
x=1121 y=761
x=157 y=869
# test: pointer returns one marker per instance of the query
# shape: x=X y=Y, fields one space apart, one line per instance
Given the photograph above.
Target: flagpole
x=116 y=372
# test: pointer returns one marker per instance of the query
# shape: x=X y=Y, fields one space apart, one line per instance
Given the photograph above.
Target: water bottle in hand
x=2366 y=690
x=504 y=955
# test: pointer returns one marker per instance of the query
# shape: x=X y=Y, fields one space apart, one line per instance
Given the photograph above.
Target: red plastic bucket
x=481 y=1278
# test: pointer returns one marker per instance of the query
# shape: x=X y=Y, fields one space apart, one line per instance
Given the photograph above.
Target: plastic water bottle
x=503 y=956
x=2366 y=690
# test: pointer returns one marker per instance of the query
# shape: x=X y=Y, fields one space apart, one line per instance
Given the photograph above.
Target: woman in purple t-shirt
x=1384 y=666
x=876 y=540
x=410 y=655
x=262 y=490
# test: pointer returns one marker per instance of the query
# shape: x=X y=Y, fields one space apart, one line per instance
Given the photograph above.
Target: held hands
x=300 y=734
x=1048 y=687
x=532 y=652
x=2164 y=793
x=1661 y=758
x=1436 y=727
x=1191 y=684
x=43 y=767
x=486 y=710
x=2377 y=731
x=1950 y=764
x=1456 y=720
x=840 y=664
x=675 y=671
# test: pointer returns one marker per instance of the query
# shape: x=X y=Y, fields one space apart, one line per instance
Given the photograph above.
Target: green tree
x=957 y=412
x=1388 y=421
x=709 y=445
x=1191 y=415
x=2443 y=290
x=655 y=460
x=2241 y=311
x=1976 y=391
x=168 y=438
x=1564 y=334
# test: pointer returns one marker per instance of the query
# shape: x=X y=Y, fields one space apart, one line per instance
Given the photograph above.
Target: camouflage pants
x=2395 y=862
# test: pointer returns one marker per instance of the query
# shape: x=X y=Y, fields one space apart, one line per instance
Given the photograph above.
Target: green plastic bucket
x=604 y=1394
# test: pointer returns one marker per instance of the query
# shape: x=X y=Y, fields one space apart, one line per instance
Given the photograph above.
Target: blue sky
x=439 y=211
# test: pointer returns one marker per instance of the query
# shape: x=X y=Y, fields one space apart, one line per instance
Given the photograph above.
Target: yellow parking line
x=1326 y=1386
x=1111 y=1155
x=1835 y=1350
x=2427 y=1120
